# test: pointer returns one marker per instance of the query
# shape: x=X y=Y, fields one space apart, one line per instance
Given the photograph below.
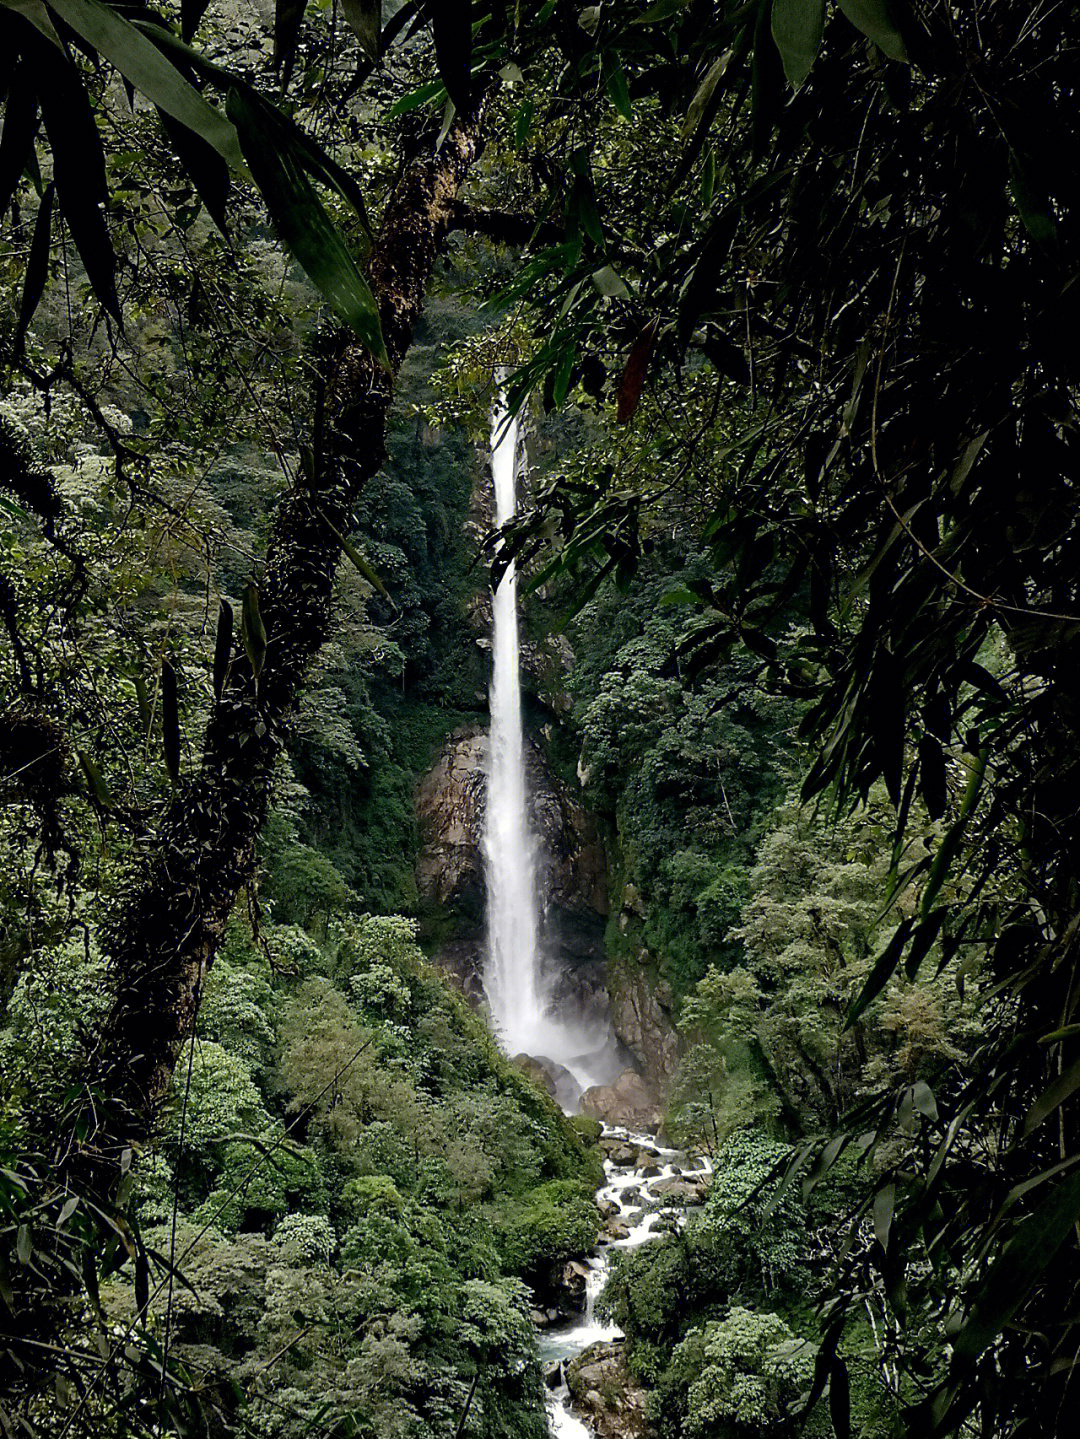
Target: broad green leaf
x=364 y=19
x=884 y=1204
x=922 y=1097
x=610 y=283
x=303 y=224
x=150 y=72
x=24 y=1243
x=874 y=19
x=1017 y=1269
x=797 y=28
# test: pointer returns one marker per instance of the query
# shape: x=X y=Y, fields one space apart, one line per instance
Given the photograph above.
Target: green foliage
x=738 y=1377
x=551 y=1224
x=687 y=773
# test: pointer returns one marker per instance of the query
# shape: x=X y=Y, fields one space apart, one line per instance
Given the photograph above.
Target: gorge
x=631 y=995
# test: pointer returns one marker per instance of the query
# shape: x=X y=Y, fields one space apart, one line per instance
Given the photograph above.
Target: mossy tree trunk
x=169 y=923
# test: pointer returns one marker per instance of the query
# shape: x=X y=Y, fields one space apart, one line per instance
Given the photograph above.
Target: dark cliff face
x=572 y=868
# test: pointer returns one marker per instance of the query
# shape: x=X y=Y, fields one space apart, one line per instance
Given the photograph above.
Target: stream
x=628 y=1189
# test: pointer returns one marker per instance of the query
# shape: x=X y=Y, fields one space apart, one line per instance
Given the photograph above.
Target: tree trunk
x=169 y=923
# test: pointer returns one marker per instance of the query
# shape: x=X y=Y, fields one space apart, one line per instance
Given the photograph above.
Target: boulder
x=679 y=1191
x=600 y=1384
x=628 y=1102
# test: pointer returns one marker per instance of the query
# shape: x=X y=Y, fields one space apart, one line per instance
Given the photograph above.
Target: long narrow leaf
x=150 y=72
x=20 y=128
x=1017 y=1269
x=304 y=225
x=37 y=266
x=78 y=169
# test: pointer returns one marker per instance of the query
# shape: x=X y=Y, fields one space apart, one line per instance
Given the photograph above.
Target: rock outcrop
x=604 y=1391
x=629 y=1103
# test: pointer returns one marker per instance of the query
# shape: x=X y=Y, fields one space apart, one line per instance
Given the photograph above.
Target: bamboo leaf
x=142 y=699
x=78 y=169
x=303 y=224
x=1066 y=1084
x=365 y=570
x=364 y=19
x=222 y=647
x=884 y=1205
x=191 y=12
x=98 y=788
x=632 y=380
x=149 y=71
x=37 y=266
x=874 y=18
x=252 y=630
x=170 y=720
x=882 y=972
x=1017 y=1269
x=288 y=16
x=797 y=28
x=20 y=128
x=451 y=27
x=36 y=12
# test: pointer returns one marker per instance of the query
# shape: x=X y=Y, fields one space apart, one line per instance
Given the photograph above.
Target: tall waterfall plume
x=513 y=980
x=519 y=984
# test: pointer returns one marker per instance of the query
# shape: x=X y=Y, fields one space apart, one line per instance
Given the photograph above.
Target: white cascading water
x=517 y=983
x=513 y=977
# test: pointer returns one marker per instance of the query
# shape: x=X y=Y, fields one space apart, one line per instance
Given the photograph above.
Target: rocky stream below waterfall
x=646 y=1191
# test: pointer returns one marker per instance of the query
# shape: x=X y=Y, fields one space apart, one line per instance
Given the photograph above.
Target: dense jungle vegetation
x=786 y=293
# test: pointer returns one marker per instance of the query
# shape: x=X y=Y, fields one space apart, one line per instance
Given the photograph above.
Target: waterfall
x=518 y=984
x=513 y=978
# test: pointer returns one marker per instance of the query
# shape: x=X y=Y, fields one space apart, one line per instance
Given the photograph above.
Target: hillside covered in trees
x=780 y=300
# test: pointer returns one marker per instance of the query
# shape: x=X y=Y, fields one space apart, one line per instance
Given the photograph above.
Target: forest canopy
x=800 y=282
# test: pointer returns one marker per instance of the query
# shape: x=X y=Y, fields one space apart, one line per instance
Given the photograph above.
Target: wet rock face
x=640 y=1016
x=628 y=1103
x=572 y=876
x=450 y=809
x=554 y=1077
